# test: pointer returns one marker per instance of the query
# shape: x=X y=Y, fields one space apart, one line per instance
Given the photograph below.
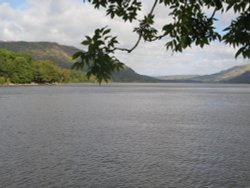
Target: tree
x=99 y=58
x=46 y=72
x=191 y=26
x=22 y=72
x=17 y=68
x=20 y=68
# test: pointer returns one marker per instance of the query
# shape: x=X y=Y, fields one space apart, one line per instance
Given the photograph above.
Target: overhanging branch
x=140 y=34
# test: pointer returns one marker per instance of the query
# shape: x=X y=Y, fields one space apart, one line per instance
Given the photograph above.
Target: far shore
x=38 y=84
x=119 y=83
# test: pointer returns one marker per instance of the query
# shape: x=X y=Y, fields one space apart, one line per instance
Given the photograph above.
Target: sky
x=69 y=21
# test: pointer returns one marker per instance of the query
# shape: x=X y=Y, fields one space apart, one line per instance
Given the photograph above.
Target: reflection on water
x=125 y=135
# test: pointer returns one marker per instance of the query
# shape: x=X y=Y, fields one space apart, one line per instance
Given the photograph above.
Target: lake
x=125 y=135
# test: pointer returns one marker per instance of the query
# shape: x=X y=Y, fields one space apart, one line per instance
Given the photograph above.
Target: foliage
x=46 y=72
x=191 y=25
x=239 y=34
x=20 y=68
x=99 y=59
x=2 y=80
x=59 y=54
x=79 y=76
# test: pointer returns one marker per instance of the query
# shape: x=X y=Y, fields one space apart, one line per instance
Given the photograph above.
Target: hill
x=177 y=77
x=129 y=75
x=62 y=56
x=237 y=74
x=233 y=75
x=243 y=78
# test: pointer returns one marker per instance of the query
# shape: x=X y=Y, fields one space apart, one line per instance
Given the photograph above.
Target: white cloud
x=67 y=22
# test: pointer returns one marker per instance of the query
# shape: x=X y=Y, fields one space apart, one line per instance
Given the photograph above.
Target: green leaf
x=85 y=42
x=77 y=55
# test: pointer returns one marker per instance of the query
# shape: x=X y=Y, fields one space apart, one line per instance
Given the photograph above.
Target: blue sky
x=68 y=21
x=14 y=3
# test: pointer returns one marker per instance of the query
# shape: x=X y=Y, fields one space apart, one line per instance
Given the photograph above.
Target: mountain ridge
x=62 y=56
x=226 y=76
x=236 y=74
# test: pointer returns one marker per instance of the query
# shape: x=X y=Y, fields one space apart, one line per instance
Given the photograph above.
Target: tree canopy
x=191 y=25
x=21 y=69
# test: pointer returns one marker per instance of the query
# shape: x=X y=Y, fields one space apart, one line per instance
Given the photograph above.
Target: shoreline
x=34 y=84
x=124 y=84
x=30 y=84
x=47 y=84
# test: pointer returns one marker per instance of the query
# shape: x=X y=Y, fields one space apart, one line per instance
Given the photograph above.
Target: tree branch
x=153 y=8
x=212 y=16
x=140 y=35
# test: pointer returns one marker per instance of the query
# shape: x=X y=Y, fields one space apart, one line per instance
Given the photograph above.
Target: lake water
x=125 y=135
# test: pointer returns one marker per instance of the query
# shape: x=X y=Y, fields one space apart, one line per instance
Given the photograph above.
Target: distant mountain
x=62 y=56
x=177 y=77
x=243 y=78
x=233 y=75
x=129 y=75
x=237 y=74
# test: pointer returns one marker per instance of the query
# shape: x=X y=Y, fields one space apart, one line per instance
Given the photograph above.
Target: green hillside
x=62 y=56
x=20 y=68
